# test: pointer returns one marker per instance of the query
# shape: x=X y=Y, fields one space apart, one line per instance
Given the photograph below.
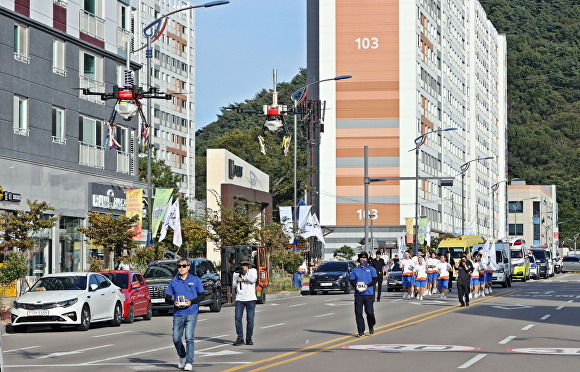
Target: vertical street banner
x=134 y=206
x=409 y=223
x=159 y=207
x=286 y=221
x=422 y=230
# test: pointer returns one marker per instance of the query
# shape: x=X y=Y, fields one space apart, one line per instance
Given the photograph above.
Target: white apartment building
x=417 y=66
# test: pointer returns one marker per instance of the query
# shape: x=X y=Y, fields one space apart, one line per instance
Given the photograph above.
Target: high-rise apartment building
x=54 y=141
x=418 y=66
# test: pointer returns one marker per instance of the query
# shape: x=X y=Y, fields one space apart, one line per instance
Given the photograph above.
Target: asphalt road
x=531 y=326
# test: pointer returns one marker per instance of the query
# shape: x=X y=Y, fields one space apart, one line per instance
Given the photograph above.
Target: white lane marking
x=22 y=348
x=527 y=327
x=570 y=301
x=110 y=334
x=321 y=315
x=213 y=347
x=273 y=325
x=559 y=307
x=147 y=351
x=72 y=352
x=473 y=360
x=545 y=317
x=201 y=320
x=300 y=304
x=506 y=340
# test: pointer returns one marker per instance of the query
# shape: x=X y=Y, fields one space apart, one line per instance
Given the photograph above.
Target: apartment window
x=58 y=55
x=91 y=18
x=123 y=16
x=90 y=131
x=122 y=137
x=516 y=207
x=91 y=69
x=21 y=43
x=20 y=115
x=58 y=123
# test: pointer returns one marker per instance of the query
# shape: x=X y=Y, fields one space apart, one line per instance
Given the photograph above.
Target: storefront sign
x=107 y=198
x=9 y=196
x=234 y=170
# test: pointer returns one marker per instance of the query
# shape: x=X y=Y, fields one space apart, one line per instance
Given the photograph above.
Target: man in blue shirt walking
x=186 y=292
x=363 y=278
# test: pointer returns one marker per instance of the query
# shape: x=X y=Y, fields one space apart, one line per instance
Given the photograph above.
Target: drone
x=274 y=122
x=128 y=104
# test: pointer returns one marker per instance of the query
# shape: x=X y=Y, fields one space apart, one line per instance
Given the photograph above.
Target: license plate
x=157 y=300
x=326 y=284
x=37 y=312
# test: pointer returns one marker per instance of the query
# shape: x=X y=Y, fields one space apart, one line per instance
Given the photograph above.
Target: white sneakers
x=405 y=296
x=188 y=367
x=470 y=295
x=181 y=363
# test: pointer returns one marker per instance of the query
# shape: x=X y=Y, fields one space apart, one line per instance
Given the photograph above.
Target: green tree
x=14 y=267
x=287 y=260
x=112 y=233
x=345 y=252
x=232 y=225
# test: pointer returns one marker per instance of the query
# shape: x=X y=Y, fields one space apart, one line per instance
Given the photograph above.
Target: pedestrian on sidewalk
x=363 y=278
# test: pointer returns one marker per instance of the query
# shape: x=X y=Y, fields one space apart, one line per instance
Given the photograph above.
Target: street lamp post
x=372 y=217
x=297 y=97
x=151 y=31
x=464 y=168
x=419 y=141
x=494 y=188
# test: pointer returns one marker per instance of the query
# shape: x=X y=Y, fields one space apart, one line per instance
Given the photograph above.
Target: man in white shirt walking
x=244 y=282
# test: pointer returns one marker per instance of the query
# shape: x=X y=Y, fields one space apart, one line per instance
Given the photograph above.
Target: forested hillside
x=543 y=39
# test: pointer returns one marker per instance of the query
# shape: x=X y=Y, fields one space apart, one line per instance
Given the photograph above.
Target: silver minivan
x=571 y=263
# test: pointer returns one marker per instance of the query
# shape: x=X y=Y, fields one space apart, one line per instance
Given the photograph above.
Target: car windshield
x=570 y=259
x=160 y=272
x=121 y=280
x=332 y=266
x=60 y=283
x=517 y=253
x=455 y=251
x=540 y=256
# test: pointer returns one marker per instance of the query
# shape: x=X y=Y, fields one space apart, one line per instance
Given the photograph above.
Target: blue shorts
x=474 y=281
x=408 y=280
x=442 y=283
x=432 y=277
x=420 y=283
x=488 y=277
x=481 y=278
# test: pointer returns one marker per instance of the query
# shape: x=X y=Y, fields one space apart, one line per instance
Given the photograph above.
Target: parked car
x=70 y=298
x=570 y=263
x=331 y=276
x=395 y=279
x=534 y=267
x=136 y=291
x=160 y=273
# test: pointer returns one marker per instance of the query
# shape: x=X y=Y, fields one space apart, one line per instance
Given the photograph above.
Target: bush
x=14 y=267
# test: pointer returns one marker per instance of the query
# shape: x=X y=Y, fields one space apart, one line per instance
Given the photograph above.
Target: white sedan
x=73 y=298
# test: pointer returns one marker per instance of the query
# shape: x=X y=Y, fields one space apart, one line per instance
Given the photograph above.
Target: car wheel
x=85 y=319
x=19 y=328
x=216 y=306
x=262 y=298
x=117 y=315
x=347 y=290
x=509 y=284
x=149 y=314
x=524 y=279
x=130 y=315
x=504 y=284
x=389 y=289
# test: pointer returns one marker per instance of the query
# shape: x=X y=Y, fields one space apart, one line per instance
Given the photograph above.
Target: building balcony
x=91 y=155
x=124 y=162
x=86 y=82
x=92 y=25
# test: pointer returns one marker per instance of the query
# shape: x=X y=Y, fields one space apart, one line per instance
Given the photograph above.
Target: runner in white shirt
x=420 y=271
x=475 y=278
x=407 y=276
x=443 y=280
x=432 y=262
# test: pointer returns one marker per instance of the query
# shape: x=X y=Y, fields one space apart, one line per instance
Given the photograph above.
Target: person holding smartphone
x=186 y=292
x=464 y=269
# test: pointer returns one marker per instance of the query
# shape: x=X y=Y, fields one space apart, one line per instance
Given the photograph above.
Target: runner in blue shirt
x=363 y=278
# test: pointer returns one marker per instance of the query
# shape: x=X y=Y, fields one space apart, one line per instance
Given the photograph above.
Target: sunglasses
x=182 y=265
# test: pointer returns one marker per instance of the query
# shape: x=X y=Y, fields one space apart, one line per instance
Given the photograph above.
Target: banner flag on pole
x=401 y=245
x=409 y=224
x=428 y=234
x=317 y=229
x=134 y=206
x=421 y=232
x=159 y=208
x=303 y=215
x=308 y=228
x=286 y=221
x=175 y=224
x=166 y=219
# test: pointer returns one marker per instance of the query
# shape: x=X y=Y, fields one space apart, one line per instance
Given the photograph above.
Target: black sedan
x=394 y=281
x=331 y=276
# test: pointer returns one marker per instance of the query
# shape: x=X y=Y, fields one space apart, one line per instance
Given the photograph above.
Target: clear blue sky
x=237 y=47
